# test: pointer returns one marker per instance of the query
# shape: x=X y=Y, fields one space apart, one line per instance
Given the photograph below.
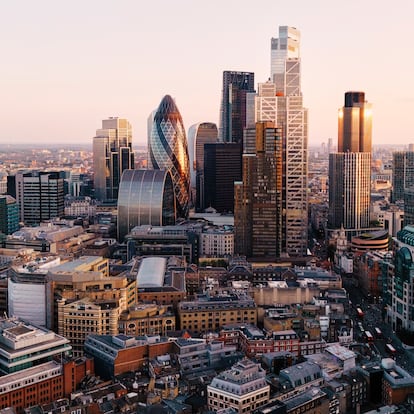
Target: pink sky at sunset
x=68 y=65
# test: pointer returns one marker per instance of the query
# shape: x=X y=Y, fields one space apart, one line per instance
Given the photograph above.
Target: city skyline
x=63 y=65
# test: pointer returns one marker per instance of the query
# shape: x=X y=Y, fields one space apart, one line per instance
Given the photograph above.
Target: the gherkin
x=167 y=150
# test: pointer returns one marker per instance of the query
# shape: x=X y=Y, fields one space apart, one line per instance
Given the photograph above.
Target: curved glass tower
x=167 y=150
x=145 y=197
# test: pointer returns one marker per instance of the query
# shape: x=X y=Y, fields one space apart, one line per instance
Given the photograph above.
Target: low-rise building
x=243 y=388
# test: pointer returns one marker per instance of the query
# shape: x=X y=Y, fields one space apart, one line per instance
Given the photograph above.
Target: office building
x=198 y=135
x=258 y=198
x=23 y=345
x=167 y=150
x=236 y=86
x=402 y=173
x=40 y=196
x=280 y=101
x=222 y=167
x=145 y=197
x=9 y=215
x=242 y=388
x=350 y=168
x=400 y=311
x=112 y=154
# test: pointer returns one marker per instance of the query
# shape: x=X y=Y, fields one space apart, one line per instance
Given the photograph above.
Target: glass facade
x=167 y=150
x=145 y=197
x=112 y=154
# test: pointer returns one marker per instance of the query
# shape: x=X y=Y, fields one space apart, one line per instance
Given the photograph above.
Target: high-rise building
x=236 y=86
x=258 y=198
x=402 y=173
x=198 y=135
x=9 y=215
x=350 y=167
x=222 y=167
x=40 y=196
x=167 y=150
x=145 y=197
x=280 y=101
x=112 y=154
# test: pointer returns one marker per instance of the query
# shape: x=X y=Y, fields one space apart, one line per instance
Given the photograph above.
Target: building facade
x=112 y=154
x=145 y=197
x=198 y=135
x=222 y=167
x=258 y=213
x=9 y=215
x=40 y=196
x=242 y=388
x=350 y=168
x=402 y=173
x=167 y=150
x=236 y=86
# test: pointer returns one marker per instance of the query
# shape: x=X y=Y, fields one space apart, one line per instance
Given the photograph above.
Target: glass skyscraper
x=280 y=101
x=112 y=154
x=167 y=150
x=350 y=168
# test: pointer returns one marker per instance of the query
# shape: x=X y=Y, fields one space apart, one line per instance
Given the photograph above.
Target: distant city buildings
x=112 y=154
x=168 y=150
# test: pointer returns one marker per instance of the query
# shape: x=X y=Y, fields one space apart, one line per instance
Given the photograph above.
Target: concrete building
x=86 y=277
x=217 y=242
x=78 y=319
x=243 y=388
x=147 y=319
x=40 y=196
x=23 y=345
x=210 y=314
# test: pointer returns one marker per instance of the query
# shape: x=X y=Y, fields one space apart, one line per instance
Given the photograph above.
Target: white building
x=243 y=388
x=217 y=242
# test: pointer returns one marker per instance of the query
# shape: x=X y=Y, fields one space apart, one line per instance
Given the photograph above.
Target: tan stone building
x=76 y=320
x=146 y=319
x=87 y=277
x=210 y=314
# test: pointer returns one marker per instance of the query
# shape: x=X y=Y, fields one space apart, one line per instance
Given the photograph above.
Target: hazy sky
x=66 y=65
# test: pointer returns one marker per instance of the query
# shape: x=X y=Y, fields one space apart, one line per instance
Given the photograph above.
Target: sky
x=66 y=65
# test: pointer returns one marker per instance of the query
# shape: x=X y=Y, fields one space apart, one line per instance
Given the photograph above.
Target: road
x=373 y=318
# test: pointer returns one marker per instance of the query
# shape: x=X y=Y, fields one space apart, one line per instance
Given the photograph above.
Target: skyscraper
x=236 y=85
x=350 y=167
x=402 y=173
x=40 y=196
x=167 y=150
x=280 y=101
x=222 y=167
x=112 y=154
x=258 y=198
x=198 y=135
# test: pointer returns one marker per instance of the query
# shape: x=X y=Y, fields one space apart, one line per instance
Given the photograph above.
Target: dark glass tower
x=236 y=85
x=167 y=150
x=222 y=167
